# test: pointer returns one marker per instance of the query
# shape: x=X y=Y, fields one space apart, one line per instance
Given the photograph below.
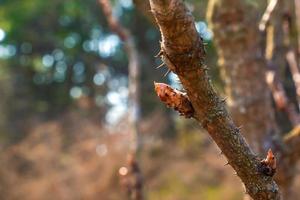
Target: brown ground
x=74 y=158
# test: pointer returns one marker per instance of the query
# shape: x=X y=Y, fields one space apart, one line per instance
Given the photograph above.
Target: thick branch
x=183 y=51
x=292 y=140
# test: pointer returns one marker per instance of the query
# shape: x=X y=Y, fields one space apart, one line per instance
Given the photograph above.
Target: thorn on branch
x=268 y=165
x=160 y=53
x=167 y=72
x=161 y=65
x=174 y=99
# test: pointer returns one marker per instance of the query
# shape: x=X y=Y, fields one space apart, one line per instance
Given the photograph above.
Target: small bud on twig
x=268 y=165
x=175 y=99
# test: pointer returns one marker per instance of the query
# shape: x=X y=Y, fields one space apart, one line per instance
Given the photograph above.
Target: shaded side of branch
x=183 y=51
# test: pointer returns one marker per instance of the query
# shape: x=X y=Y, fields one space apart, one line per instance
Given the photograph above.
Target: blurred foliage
x=56 y=52
x=54 y=47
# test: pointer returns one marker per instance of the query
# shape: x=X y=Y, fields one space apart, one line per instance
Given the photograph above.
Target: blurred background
x=64 y=107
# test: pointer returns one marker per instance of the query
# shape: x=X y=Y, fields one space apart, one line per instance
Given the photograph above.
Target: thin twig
x=133 y=98
x=267 y=15
x=292 y=62
x=292 y=140
x=297 y=11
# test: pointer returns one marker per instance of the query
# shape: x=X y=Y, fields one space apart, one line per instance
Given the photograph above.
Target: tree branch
x=297 y=7
x=133 y=67
x=280 y=98
x=183 y=51
x=267 y=14
x=135 y=188
x=292 y=140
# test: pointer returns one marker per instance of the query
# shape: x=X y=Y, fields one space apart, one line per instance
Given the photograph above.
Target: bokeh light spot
x=47 y=60
x=76 y=92
x=123 y=171
x=2 y=34
x=99 y=79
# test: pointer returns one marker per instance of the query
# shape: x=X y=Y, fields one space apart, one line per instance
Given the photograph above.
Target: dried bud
x=175 y=99
x=268 y=165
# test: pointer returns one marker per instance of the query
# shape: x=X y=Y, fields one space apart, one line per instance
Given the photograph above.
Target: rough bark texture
x=183 y=51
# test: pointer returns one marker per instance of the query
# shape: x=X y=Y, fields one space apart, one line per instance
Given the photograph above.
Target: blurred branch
x=267 y=14
x=280 y=98
x=113 y=23
x=133 y=97
x=182 y=50
x=292 y=62
x=291 y=57
x=292 y=140
x=297 y=11
x=277 y=44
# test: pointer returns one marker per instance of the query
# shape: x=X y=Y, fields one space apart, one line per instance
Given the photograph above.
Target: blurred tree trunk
x=133 y=179
x=243 y=67
x=278 y=47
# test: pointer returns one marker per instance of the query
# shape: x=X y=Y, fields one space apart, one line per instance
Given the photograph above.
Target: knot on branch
x=268 y=165
x=175 y=99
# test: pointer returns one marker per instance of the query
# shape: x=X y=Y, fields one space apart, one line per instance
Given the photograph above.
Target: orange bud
x=175 y=99
x=270 y=159
x=268 y=165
